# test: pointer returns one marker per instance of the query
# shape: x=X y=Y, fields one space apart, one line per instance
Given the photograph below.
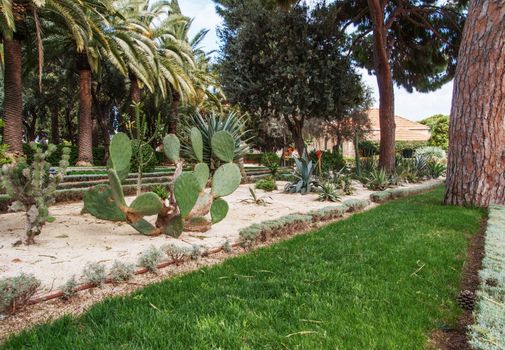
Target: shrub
x=120 y=271
x=150 y=258
x=488 y=331
x=356 y=204
x=305 y=182
x=270 y=158
x=227 y=247
x=4 y=159
x=368 y=148
x=176 y=253
x=330 y=162
x=436 y=169
x=431 y=152
x=15 y=292
x=94 y=274
x=267 y=184
x=328 y=213
x=69 y=288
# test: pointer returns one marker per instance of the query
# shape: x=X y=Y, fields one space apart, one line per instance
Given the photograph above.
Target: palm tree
x=14 y=26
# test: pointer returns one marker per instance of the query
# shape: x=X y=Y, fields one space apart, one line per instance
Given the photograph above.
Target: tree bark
x=385 y=85
x=174 y=120
x=85 y=157
x=296 y=128
x=476 y=166
x=55 y=125
x=13 y=99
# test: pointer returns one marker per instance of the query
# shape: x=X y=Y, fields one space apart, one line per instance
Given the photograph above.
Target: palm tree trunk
x=85 y=157
x=174 y=120
x=13 y=101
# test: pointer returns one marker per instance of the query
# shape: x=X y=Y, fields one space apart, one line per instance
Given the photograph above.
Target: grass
x=382 y=279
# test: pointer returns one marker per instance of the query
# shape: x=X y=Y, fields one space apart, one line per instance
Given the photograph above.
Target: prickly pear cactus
x=33 y=187
x=189 y=202
x=107 y=202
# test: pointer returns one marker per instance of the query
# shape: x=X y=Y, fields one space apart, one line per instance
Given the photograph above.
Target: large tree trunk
x=476 y=168
x=385 y=85
x=85 y=157
x=13 y=100
x=174 y=120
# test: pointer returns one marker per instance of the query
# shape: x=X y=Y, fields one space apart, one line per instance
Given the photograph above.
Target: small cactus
x=33 y=186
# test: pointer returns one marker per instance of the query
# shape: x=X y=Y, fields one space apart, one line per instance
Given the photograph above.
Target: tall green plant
x=32 y=186
x=138 y=132
x=305 y=182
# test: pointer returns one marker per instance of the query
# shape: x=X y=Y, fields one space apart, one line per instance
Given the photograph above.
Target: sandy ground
x=66 y=245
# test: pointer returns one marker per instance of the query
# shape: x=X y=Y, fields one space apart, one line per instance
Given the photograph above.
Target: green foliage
x=305 y=182
x=120 y=154
x=202 y=173
x=4 y=159
x=328 y=192
x=15 y=292
x=98 y=201
x=488 y=331
x=268 y=184
x=210 y=125
x=222 y=144
x=146 y=204
x=272 y=161
x=161 y=191
x=150 y=258
x=171 y=147
x=33 y=187
x=186 y=192
x=330 y=162
x=436 y=169
x=355 y=204
x=378 y=180
x=94 y=274
x=148 y=157
x=431 y=153
x=176 y=252
x=368 y=148
x=439 y=129
x=121 y=271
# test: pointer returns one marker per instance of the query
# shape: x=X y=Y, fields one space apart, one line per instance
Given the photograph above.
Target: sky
x=414 y=106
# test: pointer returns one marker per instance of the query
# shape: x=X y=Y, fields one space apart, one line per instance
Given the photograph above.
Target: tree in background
x=476 y=165
x=411 y=43
x=287 y=65
x=439 y=129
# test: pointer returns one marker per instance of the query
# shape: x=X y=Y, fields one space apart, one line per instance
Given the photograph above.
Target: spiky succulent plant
x=188 y=202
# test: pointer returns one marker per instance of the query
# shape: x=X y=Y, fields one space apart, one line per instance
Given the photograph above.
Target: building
x=406 y=130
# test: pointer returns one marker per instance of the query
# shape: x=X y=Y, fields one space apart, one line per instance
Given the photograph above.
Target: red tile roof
x=406 y=130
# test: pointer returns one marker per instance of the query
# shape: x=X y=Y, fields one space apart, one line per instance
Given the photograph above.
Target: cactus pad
x=186 y=191
x=120 y=151
x=202 y=206
x=197 y=143
x=201 y=173
x=117 y=190
x=98 y=202
x=175 y=227
x=218 y=210
x=223 y=146
x=226 y=180
x=146 y=204
x=172 y=147
x=144 y=227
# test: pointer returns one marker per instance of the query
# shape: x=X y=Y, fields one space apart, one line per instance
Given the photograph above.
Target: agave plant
x=436 y=169
x=378 y=180
x=304 y=182
x=211 y=124
x=328 y=192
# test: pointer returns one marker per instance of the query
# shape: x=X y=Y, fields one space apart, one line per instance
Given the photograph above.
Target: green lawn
x=382 y=279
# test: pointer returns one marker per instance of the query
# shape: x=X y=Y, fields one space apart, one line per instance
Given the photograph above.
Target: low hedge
x=54 y=159
x=488 y=331
x=400 y=192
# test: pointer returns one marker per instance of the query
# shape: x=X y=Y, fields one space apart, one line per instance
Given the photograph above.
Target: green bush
x=3 y=158
x=149 y=158
x=368 y=148
x=253 y=158
x=54 y=159
x=267 y=184
x=270 y=158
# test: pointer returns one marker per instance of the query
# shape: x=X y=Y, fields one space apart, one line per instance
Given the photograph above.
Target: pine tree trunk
x=85 y=157
x=13 y=100
x=385 y=85
x=476 y=167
